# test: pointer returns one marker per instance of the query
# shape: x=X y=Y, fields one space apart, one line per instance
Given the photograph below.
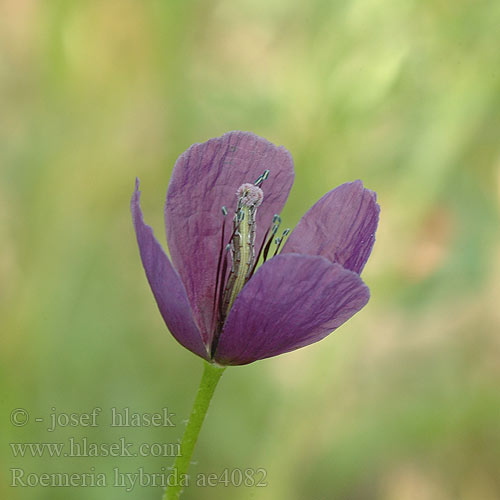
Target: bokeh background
x=402 y=403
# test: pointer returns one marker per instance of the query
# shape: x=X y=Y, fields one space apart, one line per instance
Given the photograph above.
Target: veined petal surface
x=165 y=283
x=340 y=226
x=290 y=302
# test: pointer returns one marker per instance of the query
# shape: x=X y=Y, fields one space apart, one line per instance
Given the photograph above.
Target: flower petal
x=205 y=178
x=165 y=283
x=340 y=226
x=290 y=302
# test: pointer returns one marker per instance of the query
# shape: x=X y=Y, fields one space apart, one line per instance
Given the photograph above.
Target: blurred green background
x=403 y=402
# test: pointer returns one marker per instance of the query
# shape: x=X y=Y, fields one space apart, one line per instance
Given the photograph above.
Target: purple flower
x=221 y=218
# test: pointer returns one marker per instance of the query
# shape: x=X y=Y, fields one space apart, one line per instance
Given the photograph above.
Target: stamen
x=279 y=240
x=261 y=178
x=217 y=278
x=220 y=322
x=266 y=249
x=259 y=253
x=274 y=230
x=223 y=277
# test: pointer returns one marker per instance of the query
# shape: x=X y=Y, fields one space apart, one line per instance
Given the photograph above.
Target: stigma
x=249 y=195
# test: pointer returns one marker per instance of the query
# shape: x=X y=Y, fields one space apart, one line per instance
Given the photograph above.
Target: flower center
x=242 y=243
x=242 y=248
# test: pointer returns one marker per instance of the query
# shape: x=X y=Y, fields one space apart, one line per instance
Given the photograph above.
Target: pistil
x=250 y=197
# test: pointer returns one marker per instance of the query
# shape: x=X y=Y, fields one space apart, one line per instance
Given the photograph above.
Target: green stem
x=209 y=380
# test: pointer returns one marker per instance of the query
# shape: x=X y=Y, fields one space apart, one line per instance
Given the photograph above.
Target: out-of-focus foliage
x=402 y=403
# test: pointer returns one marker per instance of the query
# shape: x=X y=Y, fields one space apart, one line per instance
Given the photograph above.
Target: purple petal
x=290 y=302
x=340 y=226
x=165 y=283
x=205 y=178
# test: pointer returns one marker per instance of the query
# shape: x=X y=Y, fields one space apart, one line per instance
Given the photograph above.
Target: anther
x=279 y=240
x=261 y=178
x=276 y=225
